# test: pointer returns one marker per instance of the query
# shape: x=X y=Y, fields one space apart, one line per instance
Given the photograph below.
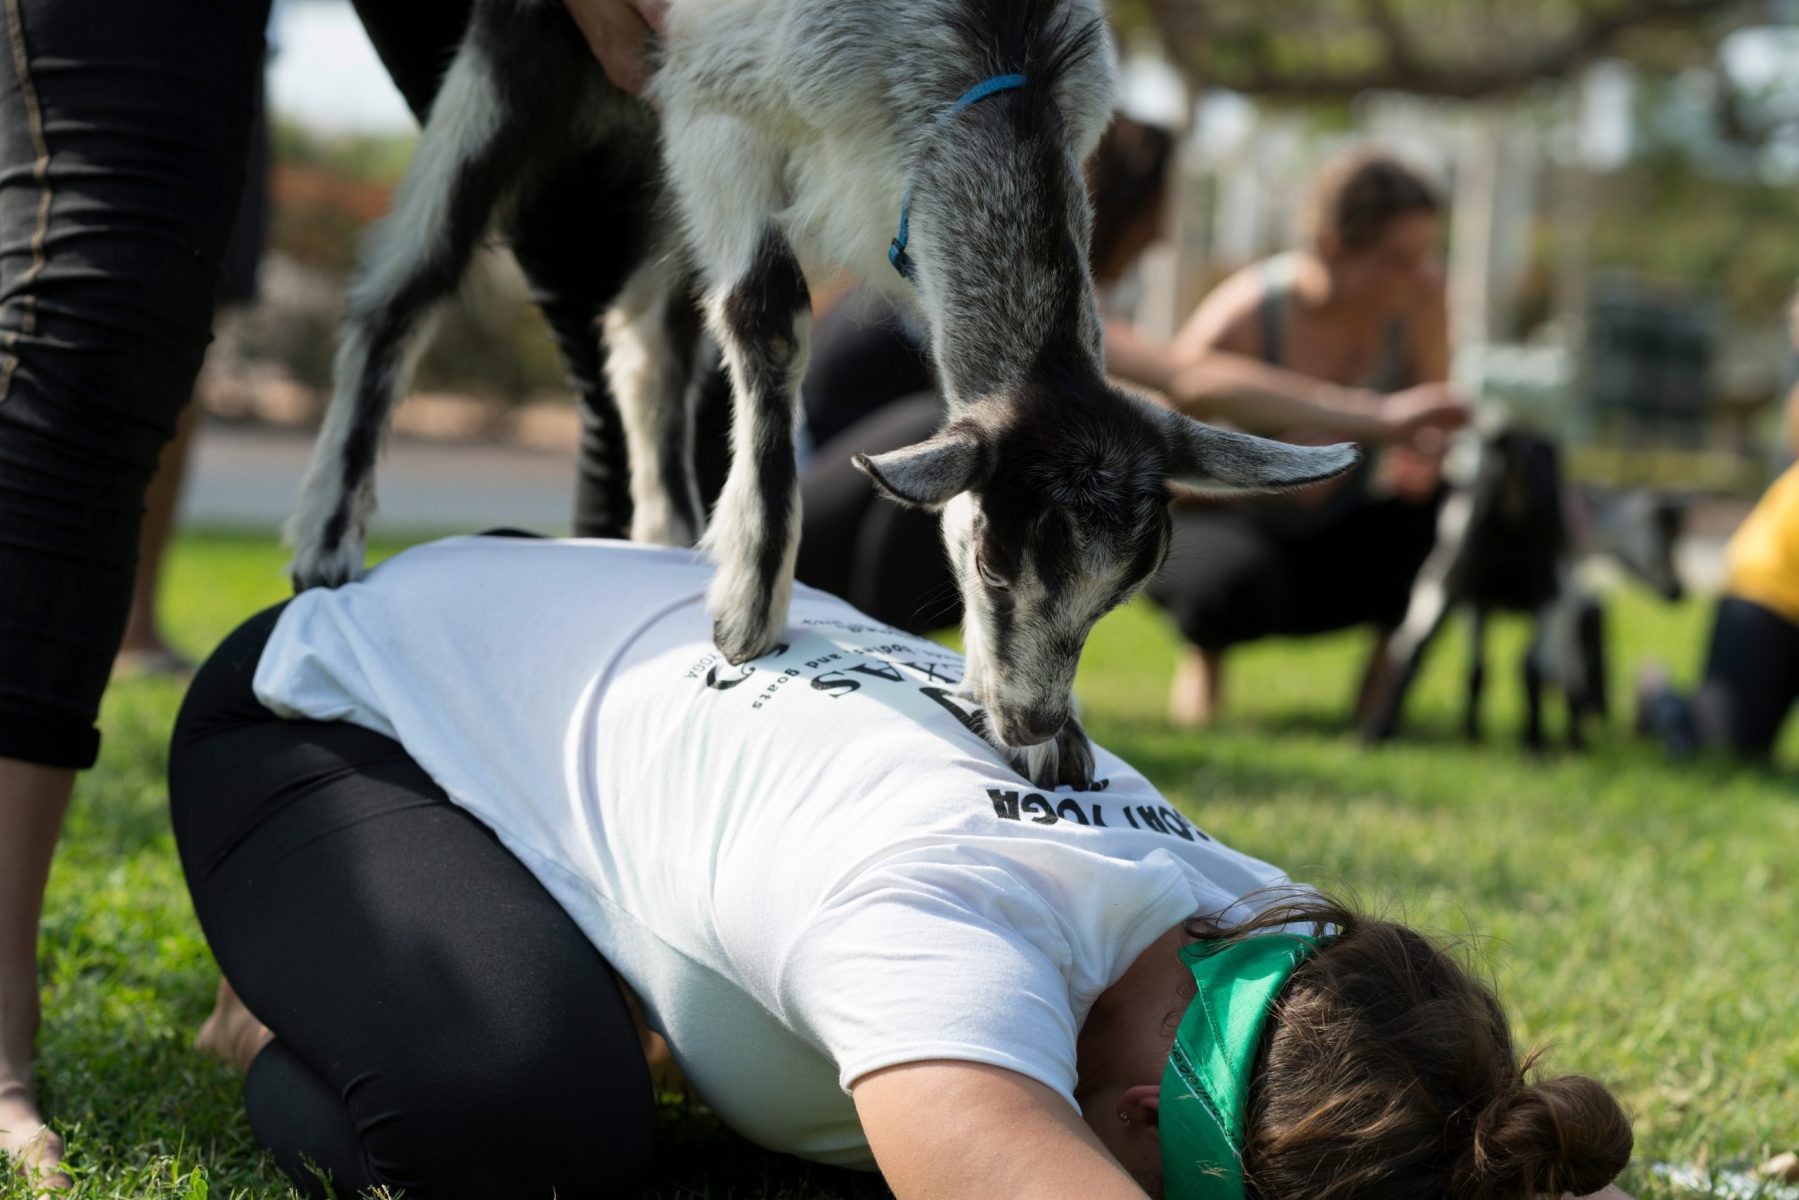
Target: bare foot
x=231 y=1034
x=32 y=799
x=150 y=656
x=665 y=1074
x=27 y=1145
x=1194 y=696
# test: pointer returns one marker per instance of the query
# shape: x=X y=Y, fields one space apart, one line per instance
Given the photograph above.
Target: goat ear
x=927 y=475
x=1221 y=462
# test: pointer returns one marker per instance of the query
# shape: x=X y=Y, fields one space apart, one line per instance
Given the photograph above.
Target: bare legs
x=231 y=1032
x=1195 y=697
x=32 y=801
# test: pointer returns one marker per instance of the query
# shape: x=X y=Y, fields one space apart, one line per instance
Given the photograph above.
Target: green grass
x=1641 y=918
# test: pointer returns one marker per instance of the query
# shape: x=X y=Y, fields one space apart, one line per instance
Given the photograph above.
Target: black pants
x=864 y=357
x=124 y=130
x=1244 y=571
x=1751 y=679
x=886 y=560
x=441 y=1025
x=868 y=391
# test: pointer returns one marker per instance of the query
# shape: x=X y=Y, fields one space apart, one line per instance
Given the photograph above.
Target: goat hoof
x=740 y=643
x=1074 y=760
x=1066 y=761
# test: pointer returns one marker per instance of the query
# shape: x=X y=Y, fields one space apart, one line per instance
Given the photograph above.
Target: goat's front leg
x=1477 y=671
x=1590 y=698
x=1433 y=594
x=1429 y=608
x=762 y=320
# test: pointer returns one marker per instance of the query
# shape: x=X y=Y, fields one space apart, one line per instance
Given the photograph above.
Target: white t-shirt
x=808 y=867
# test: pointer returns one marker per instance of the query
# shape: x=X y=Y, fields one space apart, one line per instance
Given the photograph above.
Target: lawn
x=1643 y=919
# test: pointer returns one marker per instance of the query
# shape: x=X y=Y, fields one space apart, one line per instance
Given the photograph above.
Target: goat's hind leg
x=1534 y=674
x=652 y=344
x=469 y=153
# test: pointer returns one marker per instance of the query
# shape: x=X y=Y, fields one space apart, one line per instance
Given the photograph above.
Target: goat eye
x=988 y=577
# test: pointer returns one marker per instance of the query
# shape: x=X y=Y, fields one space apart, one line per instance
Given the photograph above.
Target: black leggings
x=869 y=390
x=1751 y=679
x=441 y=1025
x=1240 y=572
x=124 y=130
x=863 y=359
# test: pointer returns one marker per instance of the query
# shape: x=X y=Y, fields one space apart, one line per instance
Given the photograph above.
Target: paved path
x=246 y=477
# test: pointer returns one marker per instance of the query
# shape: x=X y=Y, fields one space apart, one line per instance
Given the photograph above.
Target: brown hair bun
x=1388 y=1072
x=1564 y=1135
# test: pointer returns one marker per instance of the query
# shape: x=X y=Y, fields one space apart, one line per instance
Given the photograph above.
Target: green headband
x=1205 y=1087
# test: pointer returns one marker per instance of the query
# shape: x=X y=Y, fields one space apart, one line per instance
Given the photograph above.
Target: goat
x=792 y=135
x=1506 y=541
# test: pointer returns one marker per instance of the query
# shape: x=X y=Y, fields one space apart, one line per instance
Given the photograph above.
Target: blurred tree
x=1326 y=50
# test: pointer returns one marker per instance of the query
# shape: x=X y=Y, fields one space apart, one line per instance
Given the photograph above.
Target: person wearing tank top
x=870 y=389
x=1751 y=679
x=1354 y=321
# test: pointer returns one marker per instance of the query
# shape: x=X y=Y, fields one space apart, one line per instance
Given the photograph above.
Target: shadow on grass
x=697 y=1157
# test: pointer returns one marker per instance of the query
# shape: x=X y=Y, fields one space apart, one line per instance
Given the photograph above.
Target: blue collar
x=896 y=253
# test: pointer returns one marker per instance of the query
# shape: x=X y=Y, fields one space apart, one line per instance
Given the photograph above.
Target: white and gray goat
x=791 y=137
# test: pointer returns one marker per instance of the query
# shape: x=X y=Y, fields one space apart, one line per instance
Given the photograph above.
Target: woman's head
x=1128 y=180
x=1375 y=223
x=1388 y=1070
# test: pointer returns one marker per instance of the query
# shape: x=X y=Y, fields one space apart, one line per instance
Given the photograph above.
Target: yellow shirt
x=1764 y=555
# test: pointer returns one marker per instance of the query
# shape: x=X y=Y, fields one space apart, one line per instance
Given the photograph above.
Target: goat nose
x=1041 y=724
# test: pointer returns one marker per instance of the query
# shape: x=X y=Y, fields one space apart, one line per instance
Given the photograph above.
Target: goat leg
x=1477 y=671
x=468 y=155
x=652 y=343
x=1433 y=594
x=1533 y=692
x=762 y=321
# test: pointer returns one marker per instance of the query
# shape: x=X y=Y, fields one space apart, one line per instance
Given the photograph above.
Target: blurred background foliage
x=1697 y=203
x=1317 y=50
